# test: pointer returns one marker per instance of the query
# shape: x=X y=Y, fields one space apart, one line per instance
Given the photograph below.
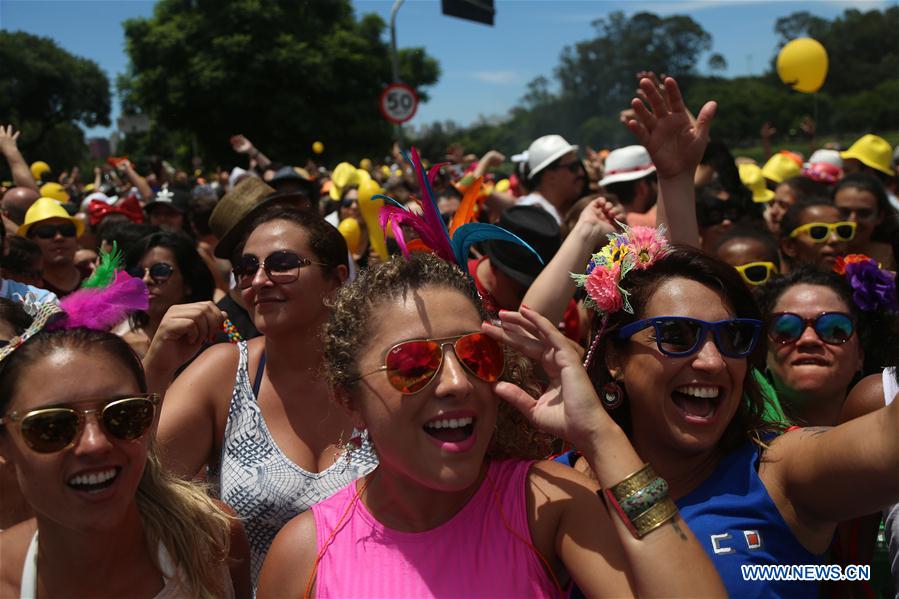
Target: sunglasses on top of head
x=48 y=430
x=280 y=267
x=50 y=231
x=679 y=336
x=821 y=232
x=412 y=364
x=159 y=272
x=834 y=328
x=756 y=273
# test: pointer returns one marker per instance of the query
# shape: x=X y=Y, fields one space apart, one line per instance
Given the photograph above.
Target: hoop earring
x=612 y=395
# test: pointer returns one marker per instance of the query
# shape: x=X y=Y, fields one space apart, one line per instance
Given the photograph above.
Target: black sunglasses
x=49 y=231
x=281 y=267
x=159 y=272
x=575 y=166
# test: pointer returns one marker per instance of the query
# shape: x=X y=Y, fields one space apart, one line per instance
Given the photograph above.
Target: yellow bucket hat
x=45 y=209
x=55 y=191
x=780 y=167
x=872 y=150
x=39 y=169
x=751 y=176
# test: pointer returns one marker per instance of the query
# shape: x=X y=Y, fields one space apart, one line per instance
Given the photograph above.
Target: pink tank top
x=474 y=554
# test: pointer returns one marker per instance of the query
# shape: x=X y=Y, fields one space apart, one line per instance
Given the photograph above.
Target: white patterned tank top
x=259 y=482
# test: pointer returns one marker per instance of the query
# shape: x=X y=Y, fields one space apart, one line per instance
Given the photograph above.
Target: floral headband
x=873 y=288
x=634 y=248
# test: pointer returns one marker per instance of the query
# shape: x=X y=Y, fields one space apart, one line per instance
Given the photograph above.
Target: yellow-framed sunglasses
x=756 y=273
x=821 y=232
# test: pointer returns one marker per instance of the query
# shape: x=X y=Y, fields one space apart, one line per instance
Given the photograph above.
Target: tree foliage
x=595 y=79
x=282 y=72
x=46 y=92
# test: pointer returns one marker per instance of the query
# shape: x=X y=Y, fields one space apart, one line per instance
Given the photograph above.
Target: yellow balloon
x=318 y=147
x=369 y=209
x=352 y=233
x=802 y=64
x=502 y=185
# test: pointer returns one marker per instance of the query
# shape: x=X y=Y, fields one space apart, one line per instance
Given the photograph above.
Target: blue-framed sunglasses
x=679 y=336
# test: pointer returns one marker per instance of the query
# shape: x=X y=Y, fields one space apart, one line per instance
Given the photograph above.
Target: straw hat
x=235 y=209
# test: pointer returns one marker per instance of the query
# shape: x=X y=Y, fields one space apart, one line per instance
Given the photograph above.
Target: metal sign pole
x=394 y=60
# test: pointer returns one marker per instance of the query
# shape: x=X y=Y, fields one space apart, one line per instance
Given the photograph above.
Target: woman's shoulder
x=14 y=543
x=289 y=562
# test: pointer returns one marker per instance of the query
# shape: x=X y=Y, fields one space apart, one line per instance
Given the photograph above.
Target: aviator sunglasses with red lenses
x=412 y=364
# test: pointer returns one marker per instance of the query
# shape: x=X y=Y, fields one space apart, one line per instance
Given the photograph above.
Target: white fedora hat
x=546 y=150
x=627 y=164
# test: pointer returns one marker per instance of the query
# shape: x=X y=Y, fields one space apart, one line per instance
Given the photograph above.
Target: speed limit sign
x=398 y=103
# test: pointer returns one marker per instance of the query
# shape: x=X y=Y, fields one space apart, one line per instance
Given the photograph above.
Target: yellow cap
x=45 y=209
x=344 y=175
x=780 y=167
x=39 y=169
x=751 y=176
x=55 y=191
x=872 y=150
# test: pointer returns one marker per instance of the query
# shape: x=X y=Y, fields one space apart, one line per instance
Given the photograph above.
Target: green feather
x=105 y=273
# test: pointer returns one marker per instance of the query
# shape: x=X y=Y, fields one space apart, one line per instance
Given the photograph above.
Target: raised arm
x=552 y=289
x=21 y=174
x=668 y=561
x=242 y=145
x=829 y=475
x=195 y=404
x=676 y=143
x=143 y=188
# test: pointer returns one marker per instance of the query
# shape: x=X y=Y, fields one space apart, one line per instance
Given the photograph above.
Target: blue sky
x=484 y=69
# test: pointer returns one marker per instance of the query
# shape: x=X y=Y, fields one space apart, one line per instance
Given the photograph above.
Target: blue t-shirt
x=737 y=523
x=20 y=292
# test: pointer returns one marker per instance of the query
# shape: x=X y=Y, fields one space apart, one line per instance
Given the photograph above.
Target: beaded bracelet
x=231 y=331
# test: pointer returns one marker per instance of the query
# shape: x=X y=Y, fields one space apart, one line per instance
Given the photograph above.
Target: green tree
x=284 y=73
x=46 y=93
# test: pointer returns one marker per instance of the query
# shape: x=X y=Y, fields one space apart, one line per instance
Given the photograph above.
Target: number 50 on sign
x=398 y=103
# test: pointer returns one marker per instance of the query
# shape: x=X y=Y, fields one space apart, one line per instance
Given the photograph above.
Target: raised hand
x=183 y=331
x=674 y=141
x=241 y=144
x=569 y=408
x=8 y=138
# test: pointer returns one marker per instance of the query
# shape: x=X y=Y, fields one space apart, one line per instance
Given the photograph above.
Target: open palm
x=674 y=141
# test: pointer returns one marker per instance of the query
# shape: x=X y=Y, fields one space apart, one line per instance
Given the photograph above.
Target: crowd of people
x=623 y=373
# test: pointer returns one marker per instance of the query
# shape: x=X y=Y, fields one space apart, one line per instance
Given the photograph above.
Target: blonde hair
x=189 y=524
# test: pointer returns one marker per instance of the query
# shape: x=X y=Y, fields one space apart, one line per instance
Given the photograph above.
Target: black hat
x=535 y=226
x=176 y=198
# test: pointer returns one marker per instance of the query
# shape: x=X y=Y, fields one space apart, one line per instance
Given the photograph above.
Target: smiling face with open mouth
x=436 y=436
x=680 y=402
x=809 y=368
x=92 y=483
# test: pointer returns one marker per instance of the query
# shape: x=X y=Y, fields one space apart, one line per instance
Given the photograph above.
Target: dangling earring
x=612 y=395
x=358 y=440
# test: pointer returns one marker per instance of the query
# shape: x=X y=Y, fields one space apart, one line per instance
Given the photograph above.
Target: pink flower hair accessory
x=634 y=248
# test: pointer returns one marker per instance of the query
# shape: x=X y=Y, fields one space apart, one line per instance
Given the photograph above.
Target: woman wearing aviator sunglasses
x=174 y=273
x=458 y=506
x=109 y=520
x=259 y=413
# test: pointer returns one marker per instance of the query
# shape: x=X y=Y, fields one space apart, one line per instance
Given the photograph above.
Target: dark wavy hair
x=354 y=315
x=688 y=263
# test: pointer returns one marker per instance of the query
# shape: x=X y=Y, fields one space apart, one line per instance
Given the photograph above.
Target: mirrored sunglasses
x=49 y=430
x=412 y=364
x=834 y=328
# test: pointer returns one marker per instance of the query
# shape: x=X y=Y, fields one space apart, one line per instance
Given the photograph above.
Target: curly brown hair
x=350 y=326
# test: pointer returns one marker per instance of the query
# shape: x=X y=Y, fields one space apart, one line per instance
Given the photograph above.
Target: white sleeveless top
x=171 y=576
x=890 y=385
